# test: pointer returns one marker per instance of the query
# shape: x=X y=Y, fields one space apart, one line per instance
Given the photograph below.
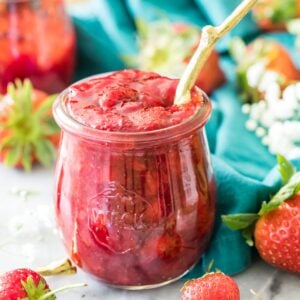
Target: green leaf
x=283 y=11
x=35 y=292
x=50 y=127
x=7 y=142
x=27 y=157
x=286 y=169
x=142 y=28
x=285 y=193
x=247 y=234
x=45 y=152
x=129 y=60
x=45 y=107
x=13 y=156
x=237 y=49
x=239 y=221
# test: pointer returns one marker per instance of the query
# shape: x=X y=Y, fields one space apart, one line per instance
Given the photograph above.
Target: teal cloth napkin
x=245 y=171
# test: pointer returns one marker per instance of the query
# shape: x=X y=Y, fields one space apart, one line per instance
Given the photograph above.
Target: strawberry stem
x=64 y=267
x=65 y=288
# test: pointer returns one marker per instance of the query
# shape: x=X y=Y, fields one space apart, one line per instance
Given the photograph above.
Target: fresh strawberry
x=166 y=48
x=28 y=132
x=26 y=284
x=261 y=56
x=23 y=284
x=274 y=14
x=212 y=286
x=276 y=227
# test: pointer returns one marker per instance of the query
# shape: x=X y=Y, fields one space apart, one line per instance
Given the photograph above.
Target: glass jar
x=37 y=41
x=136 y=209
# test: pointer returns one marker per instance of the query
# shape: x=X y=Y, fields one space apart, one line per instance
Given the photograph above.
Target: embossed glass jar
x=136 y=209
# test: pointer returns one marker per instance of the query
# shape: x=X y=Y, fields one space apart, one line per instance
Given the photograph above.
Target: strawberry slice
x=28 y=132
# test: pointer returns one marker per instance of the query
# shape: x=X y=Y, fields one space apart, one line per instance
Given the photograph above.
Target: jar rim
x=71 y=125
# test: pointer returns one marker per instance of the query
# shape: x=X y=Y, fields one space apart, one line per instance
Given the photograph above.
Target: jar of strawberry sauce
x=37 y=41
x=134 y=183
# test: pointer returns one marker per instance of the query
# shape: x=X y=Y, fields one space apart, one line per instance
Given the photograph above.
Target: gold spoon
x=210 y=35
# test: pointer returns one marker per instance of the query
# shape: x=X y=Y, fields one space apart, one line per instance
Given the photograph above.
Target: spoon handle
x=210 y=35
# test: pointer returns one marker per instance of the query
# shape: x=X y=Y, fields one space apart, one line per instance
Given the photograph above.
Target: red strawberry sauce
x=134 y=184
x=37 y=41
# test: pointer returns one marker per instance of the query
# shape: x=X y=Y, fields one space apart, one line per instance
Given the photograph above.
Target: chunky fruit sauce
x=37 y=41
x=137 y=212
x=128 y=101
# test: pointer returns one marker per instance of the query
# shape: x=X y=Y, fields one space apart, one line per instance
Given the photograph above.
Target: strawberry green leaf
x=50 y=127
x=285 y=193
x=281 y=11
x=13 y=156
x=247 y=234
x=7 y=142
x=35 y=292
x=26 y=157
x=239 y=221
x=45 y=151
x=45 y=107
x=28 y=126
x=286 y=169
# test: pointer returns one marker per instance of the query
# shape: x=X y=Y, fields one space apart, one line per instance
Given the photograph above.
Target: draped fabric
x=245 y=171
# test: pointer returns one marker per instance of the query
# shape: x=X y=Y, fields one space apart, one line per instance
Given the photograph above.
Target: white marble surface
x=28 y=239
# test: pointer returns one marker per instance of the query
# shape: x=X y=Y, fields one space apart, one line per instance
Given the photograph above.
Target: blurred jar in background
x=37 y=41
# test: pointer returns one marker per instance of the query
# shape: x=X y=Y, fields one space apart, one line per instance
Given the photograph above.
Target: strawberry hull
x=136 y=209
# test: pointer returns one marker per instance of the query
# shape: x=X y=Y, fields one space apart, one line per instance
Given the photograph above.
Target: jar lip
x=69 y=124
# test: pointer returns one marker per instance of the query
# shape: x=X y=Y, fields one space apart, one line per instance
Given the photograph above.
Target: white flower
x=297 y=87
x=246 y=108
x=281 y=109
x=272 y=92
x=267 y=119
x=251 y=125
x=260 y=131
x=254 y=73
x=292 y=130
x=268 y=78
x=257 y=110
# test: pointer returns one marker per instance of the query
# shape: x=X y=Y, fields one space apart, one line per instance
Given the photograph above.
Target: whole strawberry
x=212 y=286
x=277 y=235
x=277 y=224
x=28 y=133
x=23 y=284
